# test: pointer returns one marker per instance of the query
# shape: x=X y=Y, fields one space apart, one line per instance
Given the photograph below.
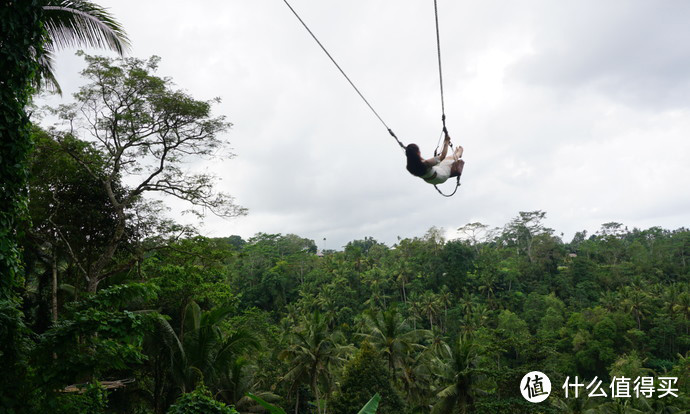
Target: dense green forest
x=107 y=306
x=432 y=325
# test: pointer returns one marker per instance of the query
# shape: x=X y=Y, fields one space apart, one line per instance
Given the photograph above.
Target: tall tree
x=313 y=354
x=199 y=352
x=460 y=376
x=364 y=374
x=68 y=209
x=146 y=130
x=392 y=337
x=21 y=34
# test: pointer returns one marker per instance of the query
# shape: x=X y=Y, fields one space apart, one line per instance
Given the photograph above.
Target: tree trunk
x=98 y=268
x=54 y=288
x=297 y=402
x=92 y=284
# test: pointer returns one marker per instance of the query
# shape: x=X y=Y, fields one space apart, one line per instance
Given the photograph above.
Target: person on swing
x=438 y=169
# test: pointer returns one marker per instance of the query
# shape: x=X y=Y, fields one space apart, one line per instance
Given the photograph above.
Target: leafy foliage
x=138 y=126
x=97 y=336
x=71 y=23
x=21 y=33
x=92 y=399
x=363 y=374
x=448 y=326
x=199 y=401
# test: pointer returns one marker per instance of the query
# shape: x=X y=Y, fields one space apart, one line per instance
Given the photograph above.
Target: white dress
x=439 y=172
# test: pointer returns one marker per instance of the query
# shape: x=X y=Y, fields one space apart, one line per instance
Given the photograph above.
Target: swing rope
x=440 y=73
x=443 y=107
x=390 y=131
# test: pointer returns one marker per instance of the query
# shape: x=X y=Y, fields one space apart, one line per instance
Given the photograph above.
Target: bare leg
x=456 y=168
x=457 y=154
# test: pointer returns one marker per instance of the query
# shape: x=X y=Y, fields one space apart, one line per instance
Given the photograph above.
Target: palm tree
x=445 y=299
x=610 y=300
x=71 y=23
x=237 y=381
x=312 y=354
x=620 y=406
x=683 y=308
x=429 y=304
x=403 y=278
x=460 y=377
x=475 y=319
x=392 y=337
x=488 y=282
x=581 y=405
x=200 y=351
x=377 y=300
x=636 y=302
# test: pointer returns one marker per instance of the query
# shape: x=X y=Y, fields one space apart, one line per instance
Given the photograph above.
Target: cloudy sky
x=580 y=109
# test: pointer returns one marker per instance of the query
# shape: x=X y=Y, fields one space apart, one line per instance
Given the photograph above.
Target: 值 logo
x=535 y=386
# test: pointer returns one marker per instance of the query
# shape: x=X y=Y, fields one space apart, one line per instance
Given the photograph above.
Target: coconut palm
x=637 y=303
x=445 y=299
x=70 y=23
x=581 y=405
x=620 y=406
x=313 y=354
x=392 y=337
x=429 y=303
x=459 y=377
x=237 y=381
x=201 y=351
x=682 y=308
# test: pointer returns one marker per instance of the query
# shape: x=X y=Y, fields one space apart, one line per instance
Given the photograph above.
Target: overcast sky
x=580 y=109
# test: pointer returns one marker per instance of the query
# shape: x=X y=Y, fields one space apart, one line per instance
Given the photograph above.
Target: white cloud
x=579 y=109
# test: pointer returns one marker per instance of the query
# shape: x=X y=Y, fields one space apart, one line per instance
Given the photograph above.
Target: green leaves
x=200 y=401
x=371 y=406
x=272 y=409
x=21 y=46
x=95 y=337
x=70 y=23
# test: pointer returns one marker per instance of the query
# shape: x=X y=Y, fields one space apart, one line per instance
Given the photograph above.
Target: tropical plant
x=392 y=337
x=200 y=352
x=362 y=374
x=313 y=354
x=237 y=381
x=460 y=377
x=140 y=113
x=70 y=23
x=369 y=408
x=200 y=401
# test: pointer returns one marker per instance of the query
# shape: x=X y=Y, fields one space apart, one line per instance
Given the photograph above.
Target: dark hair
x=414 y=161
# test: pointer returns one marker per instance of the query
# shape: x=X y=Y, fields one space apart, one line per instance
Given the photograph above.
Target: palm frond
x=270 y=407
x=83 y=23
x=371 y=406
x=75 y=23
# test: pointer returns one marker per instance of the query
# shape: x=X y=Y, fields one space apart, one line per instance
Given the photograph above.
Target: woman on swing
x=438 y=169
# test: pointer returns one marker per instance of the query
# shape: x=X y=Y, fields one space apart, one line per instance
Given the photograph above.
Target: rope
x=440 y=72
x=457 y=185
x=457 y=182
x=443 y=107
x=390 y=131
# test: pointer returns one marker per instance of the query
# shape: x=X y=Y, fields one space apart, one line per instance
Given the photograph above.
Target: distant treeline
x=433 y=325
